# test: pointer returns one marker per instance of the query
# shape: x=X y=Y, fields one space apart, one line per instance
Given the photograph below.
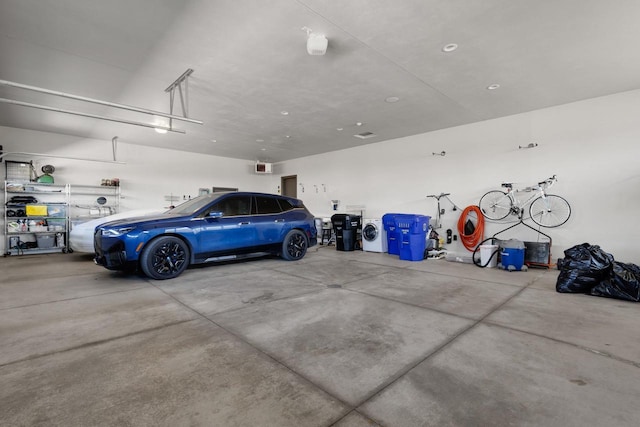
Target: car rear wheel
x=165 y=258
x=294 y=246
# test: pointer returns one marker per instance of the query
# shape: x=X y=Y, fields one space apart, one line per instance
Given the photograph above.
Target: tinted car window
x=232 y=206
x=285 y=205
x=267 y=205
x=191 y=206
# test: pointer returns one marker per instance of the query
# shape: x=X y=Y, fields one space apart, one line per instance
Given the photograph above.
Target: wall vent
x=262 y=167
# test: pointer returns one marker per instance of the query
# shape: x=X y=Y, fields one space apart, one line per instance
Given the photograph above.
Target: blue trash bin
x=393 y=238
x=413 y=236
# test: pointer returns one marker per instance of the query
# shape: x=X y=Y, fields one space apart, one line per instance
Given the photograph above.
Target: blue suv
x=214 y=227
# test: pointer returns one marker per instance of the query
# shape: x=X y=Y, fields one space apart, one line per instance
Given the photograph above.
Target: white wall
x=148 y=175
x=592 y=146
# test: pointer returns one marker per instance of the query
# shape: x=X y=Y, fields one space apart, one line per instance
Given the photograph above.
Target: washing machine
x=374 y=236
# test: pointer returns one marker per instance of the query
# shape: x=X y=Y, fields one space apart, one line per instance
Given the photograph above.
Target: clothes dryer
x=374 y=236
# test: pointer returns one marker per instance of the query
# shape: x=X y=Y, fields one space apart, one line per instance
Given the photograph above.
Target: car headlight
x=114 y=232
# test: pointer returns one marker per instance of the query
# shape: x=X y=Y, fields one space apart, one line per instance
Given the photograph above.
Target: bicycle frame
x=517 y=204
x=545 y=210
x=501 y=204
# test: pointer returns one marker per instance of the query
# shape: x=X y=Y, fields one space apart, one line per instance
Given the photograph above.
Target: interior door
x=289 y=185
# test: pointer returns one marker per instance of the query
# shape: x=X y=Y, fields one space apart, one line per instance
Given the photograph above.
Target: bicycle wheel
x=495 y=205
x=550 y=211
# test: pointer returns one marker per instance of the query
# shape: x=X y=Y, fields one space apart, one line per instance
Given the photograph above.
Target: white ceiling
x=251 y=64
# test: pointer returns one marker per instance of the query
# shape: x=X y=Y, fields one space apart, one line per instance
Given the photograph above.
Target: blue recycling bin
x=412 y=236
x=389 y=224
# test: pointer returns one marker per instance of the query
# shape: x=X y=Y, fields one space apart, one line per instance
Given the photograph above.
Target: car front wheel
x=165 y=258
x=294 y=246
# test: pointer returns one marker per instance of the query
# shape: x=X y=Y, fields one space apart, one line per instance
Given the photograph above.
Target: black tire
x=294 y=245
x=495 y=205
x=165 y=258
x=550 y=211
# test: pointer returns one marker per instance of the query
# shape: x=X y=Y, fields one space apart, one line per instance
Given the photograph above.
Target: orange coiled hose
x=472 y=240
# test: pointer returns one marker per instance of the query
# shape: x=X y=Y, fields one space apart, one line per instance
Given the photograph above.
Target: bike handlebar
x=439 y=195
x=549 y=181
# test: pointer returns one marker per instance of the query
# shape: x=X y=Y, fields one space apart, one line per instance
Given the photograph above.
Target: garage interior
x=409 y=98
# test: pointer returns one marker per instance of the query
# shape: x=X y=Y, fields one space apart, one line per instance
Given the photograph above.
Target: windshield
x=194 y=205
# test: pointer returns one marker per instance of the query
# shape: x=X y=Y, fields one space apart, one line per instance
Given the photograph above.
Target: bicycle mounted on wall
x=546 y=210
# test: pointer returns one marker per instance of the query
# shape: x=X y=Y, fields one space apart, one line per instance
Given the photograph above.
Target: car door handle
x=280 y=220
x=244 y=223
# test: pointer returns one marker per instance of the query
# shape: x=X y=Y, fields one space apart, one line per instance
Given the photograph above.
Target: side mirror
x=215 y=215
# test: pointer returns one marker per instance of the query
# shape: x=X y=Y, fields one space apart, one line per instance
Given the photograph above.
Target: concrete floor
x=342 y=339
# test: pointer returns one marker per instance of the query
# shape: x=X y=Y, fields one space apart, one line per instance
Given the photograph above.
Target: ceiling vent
x=365 y=135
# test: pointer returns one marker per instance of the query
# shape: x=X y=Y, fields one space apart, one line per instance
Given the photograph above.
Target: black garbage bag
x=583 y=267
x=623 y=283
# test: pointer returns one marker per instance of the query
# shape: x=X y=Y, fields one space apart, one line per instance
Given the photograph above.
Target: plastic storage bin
x=346 y=227
x=56 y=211
x=45 y=241
x=36 y=210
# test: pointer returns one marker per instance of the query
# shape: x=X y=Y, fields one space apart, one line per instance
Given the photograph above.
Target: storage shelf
x=77 y=200
x=48 y=196
x=10 y=218
x=15 y=233
x=35 y=251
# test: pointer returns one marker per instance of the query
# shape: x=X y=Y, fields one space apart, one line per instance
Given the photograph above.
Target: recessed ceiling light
x=259 y=140
x=284 y=113
x=392 y=99
x=493 y=86
x=339 y=129
x=213 y=140
x=263 y=149
x=358 y=123
x=287 y=136
x=449 y=47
